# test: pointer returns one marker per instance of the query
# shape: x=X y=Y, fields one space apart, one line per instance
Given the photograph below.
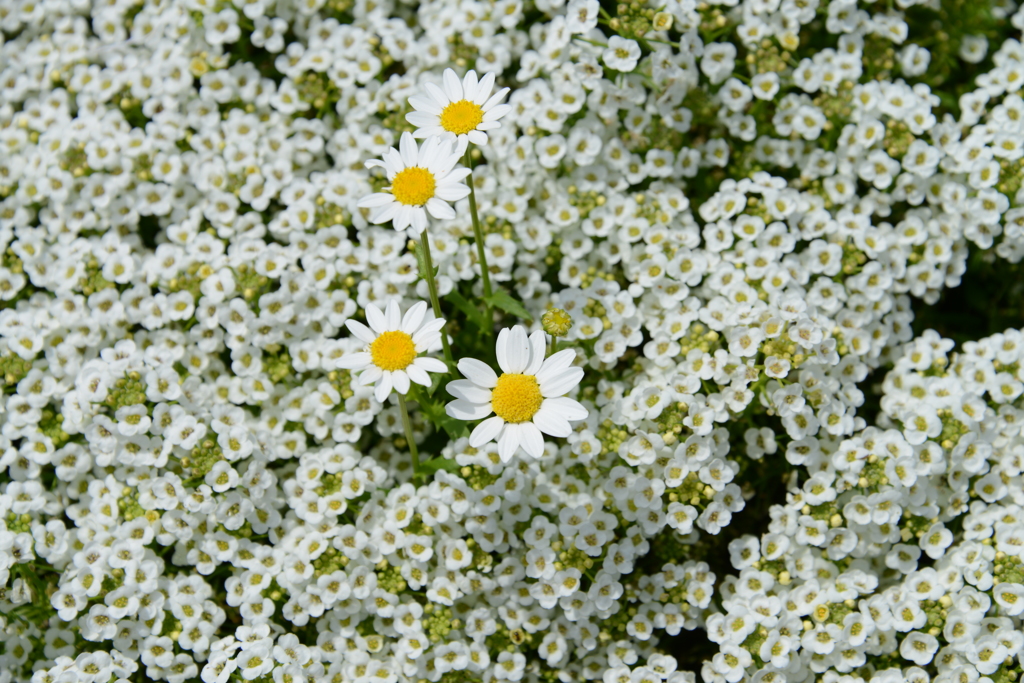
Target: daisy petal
x=517 y=350
x=464 y=410
x=413 y=317
x=549 y=421
x=568 y=408
x=467 y=391
x=375 y=200
x=451 y=193
x=421 y=119
x=495 y=99
x=537 y=346
x=351 y=361
x=383 y=388
x=483 y=89
x=393 y=315
x=401 y=381
x=509 y=442
x=361 y=331
x=469 y=85
x=378 y=323
x=370 y=375
x=477 y=137
x=497 y=112
x=452 y=85
x=532 y=441
x=437 y=95
x=386 y=213
x=438 y=209
x=478 y=372
x=418 y=375
x=556 y=363
x=423 y=105
x=429 y=364
x=407 y=148
x=486 y=431
x=560 y=383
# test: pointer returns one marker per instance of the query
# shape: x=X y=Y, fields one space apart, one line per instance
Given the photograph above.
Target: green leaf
x=431 y=466
x=506 y=302
x=434 y=411
x=469 y=310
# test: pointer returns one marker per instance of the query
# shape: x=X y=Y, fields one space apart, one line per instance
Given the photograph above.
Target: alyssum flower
x=393 y=344
x=422 y=179
x=460 y=109
x=527 y=399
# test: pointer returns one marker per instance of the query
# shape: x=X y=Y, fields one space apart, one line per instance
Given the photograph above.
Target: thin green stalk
x=407 y=423
x=424 y=246
x=478 y=233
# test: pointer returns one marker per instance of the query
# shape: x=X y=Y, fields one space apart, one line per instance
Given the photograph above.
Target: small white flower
x=527 y=399
x=462 y=110
x=622 y=54
x=393 y=344
x=422 y=179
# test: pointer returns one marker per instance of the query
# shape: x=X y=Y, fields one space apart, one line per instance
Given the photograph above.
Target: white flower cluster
x=902 y=539
x=737 y=204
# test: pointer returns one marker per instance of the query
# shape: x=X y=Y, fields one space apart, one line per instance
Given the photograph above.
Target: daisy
x=422 y=179
x=462 y=110
x=393 y=345
x=527 y=399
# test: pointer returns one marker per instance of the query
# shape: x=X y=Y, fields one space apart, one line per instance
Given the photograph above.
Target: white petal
x=418 y=374
x=509 y=442
x=418 y=219
x=477 y=137
x=438 y=209
x=483 y=90
x=555 y=364
x=424 y=105
x=497 y=112
x=413 y=317
x=354 y=361
x=469 y=85
x=538 y=345
x=407 y=148
x=421 y=119
x=452 y=85
x=464 y=410
x=361 y=331
x=486 y=431
x=532 y=441
x=550 y=422
x=428 y=364
x=451 y=193
x=378 y=323
x=401 y=381
x=393 y=315
x=568 y=408
x=370 y=375
x=561 y=382
x=495 y=99
x=428 y=335
x=437 y=95
x=478 y=372
x=501 y=348
x=375 y=200
x=467 y=391
x=517 y=351
x=383 y=388
x=386 y=213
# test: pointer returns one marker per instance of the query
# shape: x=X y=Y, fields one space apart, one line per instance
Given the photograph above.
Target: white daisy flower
x=528 y=399
x=393 y=345
x=422 y=179
x=463 y=110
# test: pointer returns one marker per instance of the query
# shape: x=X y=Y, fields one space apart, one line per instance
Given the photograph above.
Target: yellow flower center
x=461 y=117
x=393 y=351
x=516 y=398
x=413 y=186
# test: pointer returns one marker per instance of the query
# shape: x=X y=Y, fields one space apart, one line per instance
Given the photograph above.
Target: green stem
x=424 y=246
x=478 y=233
x=407 y=423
